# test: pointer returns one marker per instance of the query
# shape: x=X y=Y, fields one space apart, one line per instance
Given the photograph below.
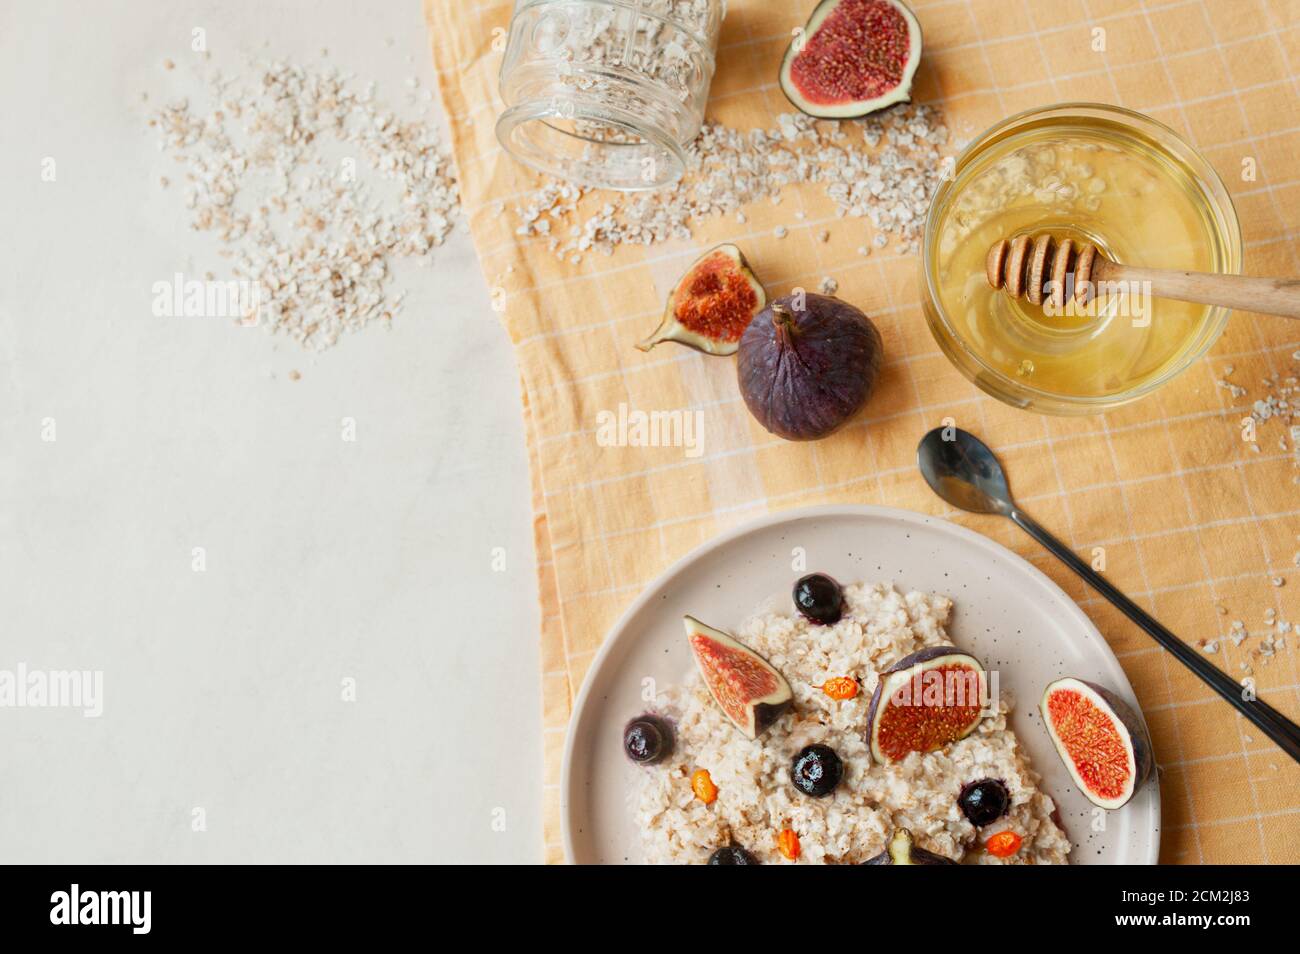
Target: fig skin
x=901 y=849
x=1132 y=722
x=929 y=654
x=804 y=372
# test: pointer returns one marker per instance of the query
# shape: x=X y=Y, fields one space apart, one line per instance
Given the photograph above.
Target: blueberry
x=817 y=770
x=732 y=855
x=984 y=802
x=648 y=739
x=819 y=598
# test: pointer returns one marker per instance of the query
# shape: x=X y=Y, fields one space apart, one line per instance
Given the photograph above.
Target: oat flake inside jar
x=607 y=93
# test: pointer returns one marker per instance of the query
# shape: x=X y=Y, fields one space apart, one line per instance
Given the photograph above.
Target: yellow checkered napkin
x=1191 y=516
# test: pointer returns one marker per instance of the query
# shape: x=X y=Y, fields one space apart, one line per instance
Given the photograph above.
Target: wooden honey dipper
x=1039 y=268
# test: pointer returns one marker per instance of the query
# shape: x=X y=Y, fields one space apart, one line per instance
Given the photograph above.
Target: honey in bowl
x=1094 y=174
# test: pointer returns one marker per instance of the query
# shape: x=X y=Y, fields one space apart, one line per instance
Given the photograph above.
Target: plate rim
x=775 y=518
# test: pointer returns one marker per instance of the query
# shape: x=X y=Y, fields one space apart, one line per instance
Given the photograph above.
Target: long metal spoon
x=963 y=471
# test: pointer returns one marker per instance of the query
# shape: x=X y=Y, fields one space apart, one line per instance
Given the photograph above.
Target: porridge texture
x=756 y=799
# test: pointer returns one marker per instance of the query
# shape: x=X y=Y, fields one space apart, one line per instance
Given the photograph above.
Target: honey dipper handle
x=1268 y=296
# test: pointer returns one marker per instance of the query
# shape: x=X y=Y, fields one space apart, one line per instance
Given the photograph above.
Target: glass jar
x=1096 y=173
x=607 y=93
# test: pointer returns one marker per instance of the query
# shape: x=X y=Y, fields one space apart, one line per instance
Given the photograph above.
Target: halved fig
x=902 y=849
x=853 y=57
x=744 y=684
x=928 y=700
x=712 y=304
x=1100 y=738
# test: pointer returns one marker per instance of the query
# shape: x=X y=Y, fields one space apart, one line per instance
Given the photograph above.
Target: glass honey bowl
x=1091 y=172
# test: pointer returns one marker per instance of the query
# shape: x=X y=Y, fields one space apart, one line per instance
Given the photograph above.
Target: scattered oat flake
x=315 y=191
x=883 y=172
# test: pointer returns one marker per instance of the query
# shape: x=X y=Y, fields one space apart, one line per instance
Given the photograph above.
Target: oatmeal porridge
x=807 y=788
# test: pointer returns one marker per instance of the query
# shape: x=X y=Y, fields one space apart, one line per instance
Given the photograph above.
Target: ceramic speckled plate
x=1006 y=612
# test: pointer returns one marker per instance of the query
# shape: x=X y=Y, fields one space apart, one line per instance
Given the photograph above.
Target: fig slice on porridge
x=745 y=686
x=928 y=700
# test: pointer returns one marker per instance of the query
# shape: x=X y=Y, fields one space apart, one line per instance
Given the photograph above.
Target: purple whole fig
x=807 y=364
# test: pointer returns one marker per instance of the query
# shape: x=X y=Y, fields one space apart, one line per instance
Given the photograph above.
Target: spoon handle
x=1267 y=719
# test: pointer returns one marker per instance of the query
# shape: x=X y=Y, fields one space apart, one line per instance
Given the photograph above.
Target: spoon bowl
x=961 y=469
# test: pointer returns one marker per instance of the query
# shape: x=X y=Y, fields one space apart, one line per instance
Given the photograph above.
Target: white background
x=325 y=559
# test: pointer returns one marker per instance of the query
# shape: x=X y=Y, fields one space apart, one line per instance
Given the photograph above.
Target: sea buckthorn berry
x=703 y=787
x=1003 y=845
x=788 y=842
x=840 y=688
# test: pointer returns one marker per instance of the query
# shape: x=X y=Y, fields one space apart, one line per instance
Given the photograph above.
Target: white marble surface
x=326 y=560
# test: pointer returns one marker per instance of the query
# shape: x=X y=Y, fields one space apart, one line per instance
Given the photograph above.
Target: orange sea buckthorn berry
x=1003 y=845
x=703 y=787
x=788 y=842
x=840 y=688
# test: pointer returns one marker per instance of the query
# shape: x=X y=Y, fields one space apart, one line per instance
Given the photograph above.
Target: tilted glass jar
x=607 y=93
